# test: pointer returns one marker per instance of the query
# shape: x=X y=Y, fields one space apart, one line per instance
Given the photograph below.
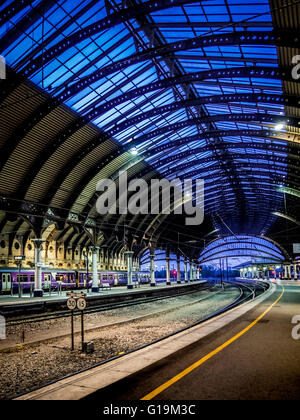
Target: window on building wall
x=2 y=244
x=29 y=247
x=17 y=245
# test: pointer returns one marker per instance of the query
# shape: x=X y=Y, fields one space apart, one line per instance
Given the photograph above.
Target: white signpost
x=76 y=300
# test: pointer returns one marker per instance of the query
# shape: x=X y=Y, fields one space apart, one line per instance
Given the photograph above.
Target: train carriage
x=10 y=278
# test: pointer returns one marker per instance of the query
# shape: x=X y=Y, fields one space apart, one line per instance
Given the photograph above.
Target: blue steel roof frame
x=248 y=243
x=171 y=118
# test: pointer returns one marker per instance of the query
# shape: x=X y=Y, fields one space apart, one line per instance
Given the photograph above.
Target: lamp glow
x=133 y=151
x=279 y=127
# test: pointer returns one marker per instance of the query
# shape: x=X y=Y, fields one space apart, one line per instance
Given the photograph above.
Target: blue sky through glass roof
x=121 y=41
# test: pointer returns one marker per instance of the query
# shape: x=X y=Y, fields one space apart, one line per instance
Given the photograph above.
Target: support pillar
x=186 y=279
x=178 y=270
x=152 y=270
x=95 y=284
x=38 y=290
x=168 y=280
x=295 y=272
x=198 y=272
x=285 y=276
x=289 y=272
x=191 y=271
x=116 y=283
x=129 y=255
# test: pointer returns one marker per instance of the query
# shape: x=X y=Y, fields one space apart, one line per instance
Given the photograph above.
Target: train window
x=3 y=277
x=32 y=278
x=23 y=278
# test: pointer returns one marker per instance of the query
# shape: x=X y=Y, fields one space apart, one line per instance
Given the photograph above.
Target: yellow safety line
x=188 y=370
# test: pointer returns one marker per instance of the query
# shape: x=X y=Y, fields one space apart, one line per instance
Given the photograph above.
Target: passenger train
x=10 y=278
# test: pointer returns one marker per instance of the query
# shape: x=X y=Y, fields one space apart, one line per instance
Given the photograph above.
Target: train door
x=6 y=282
x=47 y=280
x=116 y=279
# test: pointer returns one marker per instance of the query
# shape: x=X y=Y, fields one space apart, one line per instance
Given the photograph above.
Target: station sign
x=296 y=248
x=19 y=257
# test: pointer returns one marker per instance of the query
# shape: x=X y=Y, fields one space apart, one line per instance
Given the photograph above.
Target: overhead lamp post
x=19 y=259
x=86 y=255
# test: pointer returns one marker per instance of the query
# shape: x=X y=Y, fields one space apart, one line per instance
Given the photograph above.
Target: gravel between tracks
x=26 y=368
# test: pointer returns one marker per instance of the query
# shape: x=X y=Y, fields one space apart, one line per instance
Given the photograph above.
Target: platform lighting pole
x=38 y=291
x=221 y=271
x=129 y=255
x=227 y=268
x=95 y=285
x=289 y=272
x=186 y=280
x=152 y=270
x=168 y=280
x=86 y=254
x=191 y=271
x=178 y=270
x=19 y=280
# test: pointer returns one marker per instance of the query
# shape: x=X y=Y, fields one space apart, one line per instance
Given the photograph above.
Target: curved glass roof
x=160 y=74
x=242 y=246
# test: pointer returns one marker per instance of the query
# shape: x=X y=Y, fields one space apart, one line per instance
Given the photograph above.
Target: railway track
x=101 y=307
x=247 y=291
x=121 y=322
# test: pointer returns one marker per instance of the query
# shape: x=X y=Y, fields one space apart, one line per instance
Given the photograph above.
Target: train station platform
x=247 y=353
x=250 y=352
x=13 y=305
x=255 y=356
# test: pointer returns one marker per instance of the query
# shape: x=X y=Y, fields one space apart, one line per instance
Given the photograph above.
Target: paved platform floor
x=263 y=363
x=13 y=300
x=248 y=353
x=131 y=372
